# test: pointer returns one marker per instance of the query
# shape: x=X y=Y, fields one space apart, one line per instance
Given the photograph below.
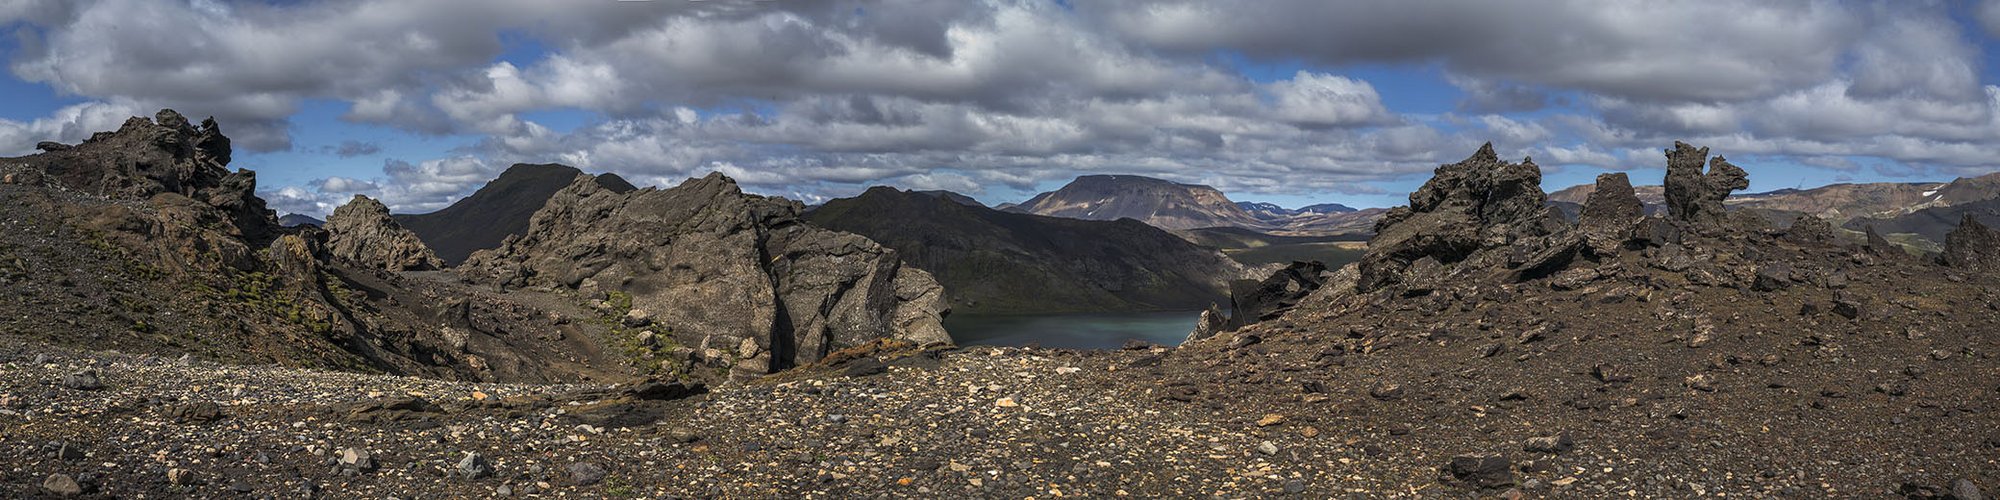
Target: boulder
x=1810 y=229
x=1694 y=196
x=719 y=267
x=1251 y=301
x=1467 y=207
x=363 y=233
x=1972 y=246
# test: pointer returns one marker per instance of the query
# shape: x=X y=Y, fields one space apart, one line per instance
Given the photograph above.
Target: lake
x=1072 y=331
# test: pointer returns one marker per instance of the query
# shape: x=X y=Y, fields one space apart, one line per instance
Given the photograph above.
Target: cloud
x=815 y=99
x=352 y=148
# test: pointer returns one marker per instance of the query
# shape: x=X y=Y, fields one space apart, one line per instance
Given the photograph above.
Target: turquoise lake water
x=1072 y=331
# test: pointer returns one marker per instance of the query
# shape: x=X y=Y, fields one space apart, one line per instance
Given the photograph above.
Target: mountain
x=1931 y=224
x=296 y=220
x=954 y=197
x=498 y=209
x=1326 y=208
x=999 y=262
x=1274 y=212
x=1160 y=203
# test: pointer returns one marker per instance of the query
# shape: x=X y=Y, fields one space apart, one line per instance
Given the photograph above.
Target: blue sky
x=1288 y=101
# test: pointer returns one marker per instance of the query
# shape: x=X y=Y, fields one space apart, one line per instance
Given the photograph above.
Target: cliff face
x=738 y=277
x=998 y=262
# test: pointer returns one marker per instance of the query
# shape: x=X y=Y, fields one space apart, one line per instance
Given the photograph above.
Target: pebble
x=62 y=485
x=474 y=466
x=1295 y=487
x=1267 y=448
x=1270 y=419
x=586 y=473
x=83 y=381
x=357 y=459
x=1963 y=489
x=180 y=477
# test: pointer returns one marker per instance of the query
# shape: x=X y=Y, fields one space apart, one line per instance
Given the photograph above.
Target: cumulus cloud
x=812 y=99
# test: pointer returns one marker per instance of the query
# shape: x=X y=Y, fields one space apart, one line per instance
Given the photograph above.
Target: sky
x=419 y=102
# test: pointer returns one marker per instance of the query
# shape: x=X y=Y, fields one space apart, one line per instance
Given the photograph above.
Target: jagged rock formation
x=1695 y=196
x=740 y=278
x=1466 y=209
x=363 y=233
x=1211 y=322
x=1608 y=215
x=1251 y=301
x=1972 y=246
x=143 y=242
x=499 y=209
x=996 y=262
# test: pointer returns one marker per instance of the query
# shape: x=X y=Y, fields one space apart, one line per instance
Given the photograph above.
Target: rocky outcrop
x=363 y=233
x=1608 y=214
x=1251 y=301
x=1972 y=246
x=1467 y=208
x=1695 y=196
x=740 y=278
x=499 y=209
x=1211 y=322
x=146 y=158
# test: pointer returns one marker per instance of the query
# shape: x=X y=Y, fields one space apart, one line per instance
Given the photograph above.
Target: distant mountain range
x=1176 y=206
x=500 y=208
x=1160 y=203
x=296 y=220
x=991 y=261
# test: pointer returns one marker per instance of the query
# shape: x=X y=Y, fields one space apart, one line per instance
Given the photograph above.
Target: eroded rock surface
x=737 y=277
x=362 y=232
x=1972 y=246
x=1694 y=195
x=1468 y=207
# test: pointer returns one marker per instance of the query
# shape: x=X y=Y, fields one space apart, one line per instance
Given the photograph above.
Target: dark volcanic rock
x=1467 y=207
x=363 y=233
x=499 y=209
x=1972 y=246
x=1695 y=196
x=1211 y=322
x=1251 y=301
x=1609 y=213
x=736 y=275
x=1481 y=471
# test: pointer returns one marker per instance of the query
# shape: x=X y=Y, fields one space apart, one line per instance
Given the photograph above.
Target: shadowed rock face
x=1609 y=213
x=499 y=209
x=362 y=232
x=739 y=277
x=1694 y=196
x=1469 y=206
x=1972 y=246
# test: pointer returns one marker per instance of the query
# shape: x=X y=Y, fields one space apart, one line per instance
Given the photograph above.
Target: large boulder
x=1609 y=214
x=363 y=233
x=1972 y=246
x=736 y=276
x=1478 y=204
x=1695 y=196
x=1252 y=301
